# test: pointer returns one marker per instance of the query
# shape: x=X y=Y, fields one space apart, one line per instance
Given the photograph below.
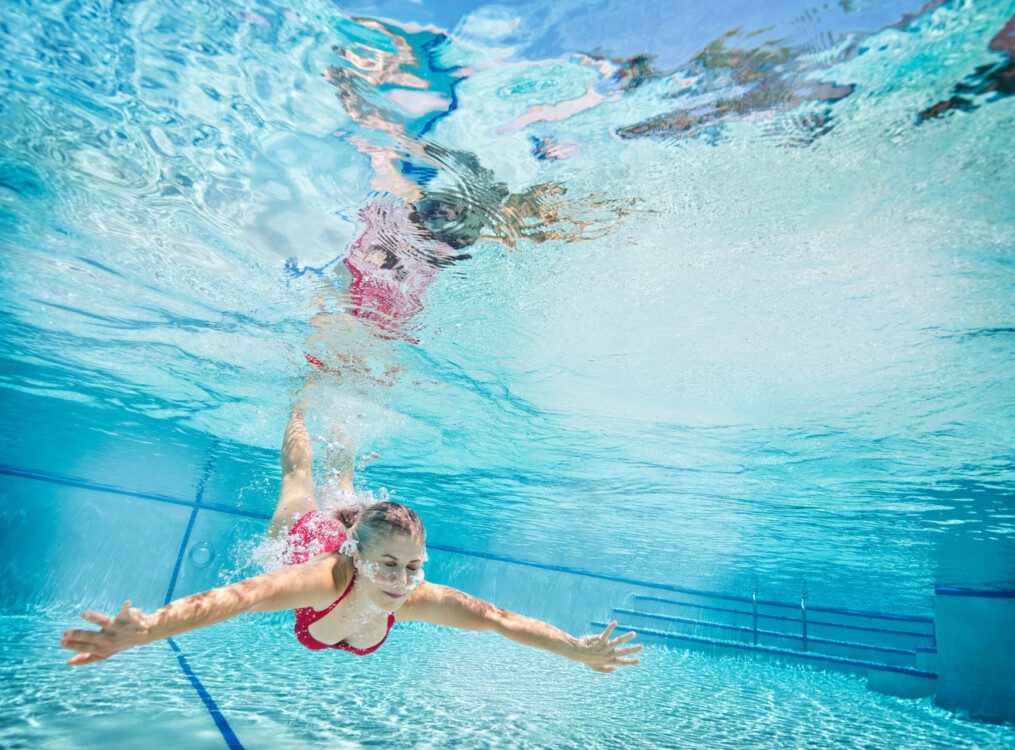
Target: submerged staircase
x=896 y=653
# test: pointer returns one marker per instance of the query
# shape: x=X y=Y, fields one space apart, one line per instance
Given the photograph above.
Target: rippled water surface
x=715 y=296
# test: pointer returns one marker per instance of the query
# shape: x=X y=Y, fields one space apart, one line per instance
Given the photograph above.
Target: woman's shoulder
x=340 y=570
x=331 y=574
x=308 y=584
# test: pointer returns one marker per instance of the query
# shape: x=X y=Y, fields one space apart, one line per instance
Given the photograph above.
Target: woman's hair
x=380 y=520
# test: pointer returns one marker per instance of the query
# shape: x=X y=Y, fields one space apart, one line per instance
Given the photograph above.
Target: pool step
x=727 y=631
x=926 y=659
x=893 y=679
x=891 y=631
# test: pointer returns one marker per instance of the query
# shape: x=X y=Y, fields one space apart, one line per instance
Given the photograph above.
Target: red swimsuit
x=313 y=534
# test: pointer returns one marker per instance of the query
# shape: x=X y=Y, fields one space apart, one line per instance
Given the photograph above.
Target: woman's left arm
x=443 y=605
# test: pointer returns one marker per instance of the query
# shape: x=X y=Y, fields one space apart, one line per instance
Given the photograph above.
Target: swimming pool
x=618 y=297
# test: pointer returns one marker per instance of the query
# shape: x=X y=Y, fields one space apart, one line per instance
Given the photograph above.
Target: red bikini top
x=306 y=616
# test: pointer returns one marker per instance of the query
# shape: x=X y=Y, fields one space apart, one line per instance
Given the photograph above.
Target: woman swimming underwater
x=349 y=575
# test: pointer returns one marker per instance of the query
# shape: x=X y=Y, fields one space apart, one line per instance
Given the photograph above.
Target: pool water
x=432 y=688
x=706 y=297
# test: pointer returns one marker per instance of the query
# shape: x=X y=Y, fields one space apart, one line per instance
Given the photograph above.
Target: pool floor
x=433 y=688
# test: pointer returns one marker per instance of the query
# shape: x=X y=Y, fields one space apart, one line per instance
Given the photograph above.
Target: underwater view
x=675 y=340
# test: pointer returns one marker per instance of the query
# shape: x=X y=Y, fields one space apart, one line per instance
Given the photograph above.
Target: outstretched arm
x=287 y=588
x=455 y=609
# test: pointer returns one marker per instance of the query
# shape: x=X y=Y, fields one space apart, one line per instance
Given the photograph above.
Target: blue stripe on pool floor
x=232 y=741
x=199 y=495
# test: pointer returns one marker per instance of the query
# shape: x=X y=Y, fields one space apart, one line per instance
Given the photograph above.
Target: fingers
x=622 y=638
x=606 y=651
x=97 y=618
x=91 y=638
x=616 y=664
x=609 y=629
x=83 y=659
x=75 y=645
x=629 y=650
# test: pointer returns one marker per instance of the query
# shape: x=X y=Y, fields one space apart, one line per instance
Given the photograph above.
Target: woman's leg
x=297 y=495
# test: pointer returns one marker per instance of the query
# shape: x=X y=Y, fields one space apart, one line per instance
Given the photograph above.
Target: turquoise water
x=438 y=689
x=735 y=315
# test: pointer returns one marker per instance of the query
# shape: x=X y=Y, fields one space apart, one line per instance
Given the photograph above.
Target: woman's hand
x=602 y=654
x=128 y=629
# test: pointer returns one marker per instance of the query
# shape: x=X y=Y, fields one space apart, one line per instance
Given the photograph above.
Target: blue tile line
x=232 y=741
x=205 y=472
x=44 y=476
x=218 y=507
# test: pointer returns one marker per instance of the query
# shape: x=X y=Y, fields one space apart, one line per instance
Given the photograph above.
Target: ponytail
x=347 y=516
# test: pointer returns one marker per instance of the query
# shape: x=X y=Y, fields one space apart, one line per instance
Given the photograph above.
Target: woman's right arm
x=287 y=588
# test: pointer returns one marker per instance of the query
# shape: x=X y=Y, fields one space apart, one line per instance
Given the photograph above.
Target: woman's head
x=370 y=523
x=389 y=552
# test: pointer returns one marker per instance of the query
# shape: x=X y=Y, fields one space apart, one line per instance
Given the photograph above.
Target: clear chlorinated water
x=433 y=688
x=737 y=313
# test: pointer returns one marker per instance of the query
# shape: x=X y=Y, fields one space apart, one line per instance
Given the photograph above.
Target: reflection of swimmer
x=546 y=148
x=762 y=80
x=997 y=78
x=439 y=202
x=392 y=263
x=759 y=81
x=404 y=246
x=615 y=76
x=349 y=575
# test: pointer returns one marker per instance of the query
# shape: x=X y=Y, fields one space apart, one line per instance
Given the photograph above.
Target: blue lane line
x=219 y=508
x=232 y=741
x=205 y=472
x=16 y=471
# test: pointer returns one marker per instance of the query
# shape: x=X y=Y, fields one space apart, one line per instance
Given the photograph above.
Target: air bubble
x=201 y=554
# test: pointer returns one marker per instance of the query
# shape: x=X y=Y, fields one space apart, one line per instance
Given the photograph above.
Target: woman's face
x=390 y=569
